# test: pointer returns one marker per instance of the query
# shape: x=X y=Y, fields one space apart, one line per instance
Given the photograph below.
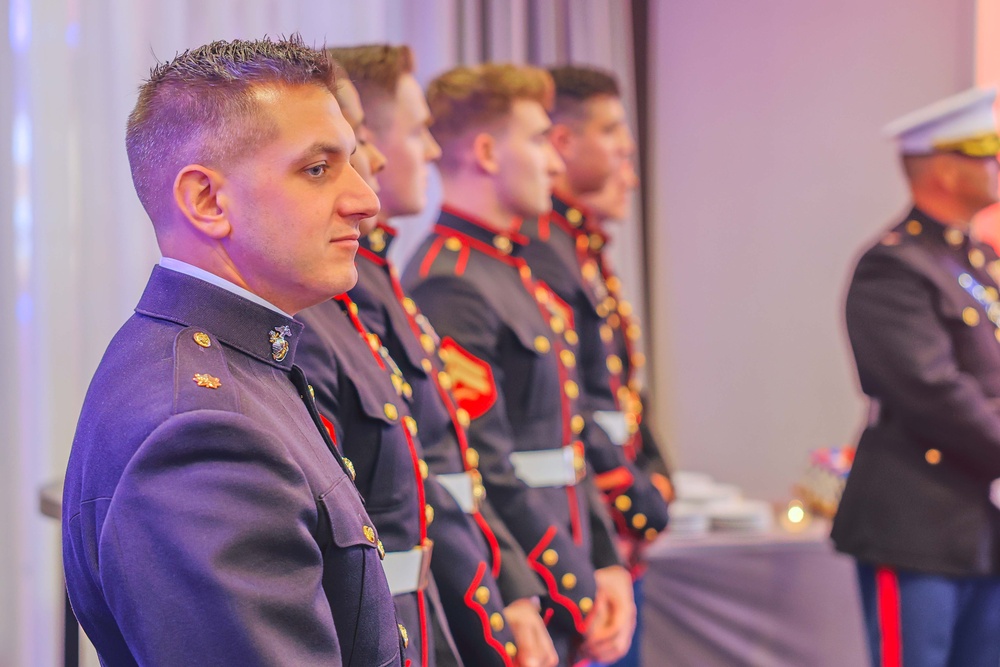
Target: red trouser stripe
x=890 y=632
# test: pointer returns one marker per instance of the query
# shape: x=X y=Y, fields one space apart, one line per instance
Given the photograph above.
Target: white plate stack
x=741 y=516
x=703 y=504
x=688 y=518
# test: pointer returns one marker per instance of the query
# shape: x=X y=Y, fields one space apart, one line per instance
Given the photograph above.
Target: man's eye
x=317 y=170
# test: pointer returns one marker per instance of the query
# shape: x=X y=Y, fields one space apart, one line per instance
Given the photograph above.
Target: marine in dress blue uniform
x=515 y=376
x=207 y=518
x=923 y=319
x=410 y=340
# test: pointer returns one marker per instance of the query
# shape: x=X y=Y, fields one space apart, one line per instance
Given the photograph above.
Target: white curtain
x=76 y=247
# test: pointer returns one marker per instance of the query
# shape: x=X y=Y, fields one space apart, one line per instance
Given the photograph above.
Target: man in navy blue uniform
x=923 y=317
x=509 y=346
x=208 y=519
x=397 y=124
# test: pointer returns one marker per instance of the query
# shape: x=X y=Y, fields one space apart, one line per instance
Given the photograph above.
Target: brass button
x=569 y=581
x=638 y=359
x=623 y=503
x=614 y=320
x=427 y=343
x=550 y=557
x=625 y=308
x=503 y=244
x=353 y=308
x=429 y=514
x=614 y=363
x=574 y=217
x=444 y=380
x=572 y=389
x=596 y=242
x=970 y=316
x=426 y=364
x=390 y=411
x=453 y=244
x=996 y=332
x=409 y=306
x=369 y=533
x=557 y=324
x=511 y=649
x=482 y=595
x=404 y=635
x=913 y=227
x=954 y=236
x=586 y=604
x=496 y=621
x=463 y=418
x=525 y=272
x=202 y=339
x=639 y=521
x=933 y=456
x=411 y=425
x=977 y=258
x=542 y=344
x=571 y=337
x=651 y=534
x=607 y=334
x=634 y=332
x=471 y=458
x=567 y=358
x=576 y=422
x=423 y=468
x=589 y=269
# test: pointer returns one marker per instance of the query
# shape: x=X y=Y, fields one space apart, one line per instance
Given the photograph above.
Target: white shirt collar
x=201 y=274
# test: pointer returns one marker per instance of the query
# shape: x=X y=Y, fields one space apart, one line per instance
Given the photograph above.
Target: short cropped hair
x=465 y=100
x=375 y=70
x=200 y=108
x=576 y=85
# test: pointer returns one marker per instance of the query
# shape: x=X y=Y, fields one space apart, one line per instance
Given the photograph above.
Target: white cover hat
x=963 y=123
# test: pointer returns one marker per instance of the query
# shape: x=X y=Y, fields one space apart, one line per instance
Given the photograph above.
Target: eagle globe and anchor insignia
x=279 y=346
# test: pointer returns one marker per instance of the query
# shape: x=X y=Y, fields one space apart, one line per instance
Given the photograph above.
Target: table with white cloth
x=766 y=600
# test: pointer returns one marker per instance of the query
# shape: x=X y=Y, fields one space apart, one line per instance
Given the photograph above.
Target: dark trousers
x=915 y=619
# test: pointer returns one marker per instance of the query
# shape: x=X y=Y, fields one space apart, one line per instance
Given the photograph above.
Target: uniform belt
x=613 y=423
x=408 y=571
x=549 y=467
x=466 y=488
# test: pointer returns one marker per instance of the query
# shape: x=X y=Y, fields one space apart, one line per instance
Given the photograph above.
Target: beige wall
x=770 y=175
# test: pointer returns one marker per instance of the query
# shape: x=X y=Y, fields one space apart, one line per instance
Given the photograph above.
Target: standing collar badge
x=279 y=346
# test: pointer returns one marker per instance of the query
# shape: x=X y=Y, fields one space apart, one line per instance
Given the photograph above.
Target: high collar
x=239 y=323
x=922 y=225
x=507 y=242
x=577 y=218
x=378 y=240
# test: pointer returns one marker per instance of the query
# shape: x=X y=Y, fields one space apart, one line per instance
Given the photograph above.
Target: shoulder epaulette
x=202 y=380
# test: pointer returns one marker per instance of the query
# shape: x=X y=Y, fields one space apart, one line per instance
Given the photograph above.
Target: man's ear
x=561 y=137
x=484 y=152
x=196 y=192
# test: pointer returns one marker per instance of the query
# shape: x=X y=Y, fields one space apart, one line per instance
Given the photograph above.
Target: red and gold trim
x=472 y=603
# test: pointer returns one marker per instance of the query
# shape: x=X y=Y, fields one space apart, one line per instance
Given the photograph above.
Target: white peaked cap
x=954 y=119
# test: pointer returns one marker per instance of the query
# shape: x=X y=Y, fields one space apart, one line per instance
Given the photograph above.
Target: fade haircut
x=575 y=86
x=375 y=70
x=468 y=100
x=200 y=108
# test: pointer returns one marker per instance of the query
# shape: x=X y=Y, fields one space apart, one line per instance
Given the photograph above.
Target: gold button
x=369 y=533
x=574 y=217
x=525 y=272
x=409 y=306
x=913 y=227
x=614 y=320
x=614 y=363
x=550 y=557
x=511 y=649
x=557 y=324
x=453 y=244
x=586 y=604
x=992 y=294
x=503 y=244
x=954 y=236
x=427 y=343
x=463 y=417
x=634 y=332
x=977 y=258
x=482 y=595
x=576 y=422
x=426 y=364
x=933 y=456
x=444 y=380
x=569 y=581
x=390 y=411
x=572 y=389
x=350 y=468
x=429 y=514
x=404 y=635
x=970 y=316
x=423 y=468
x=996 y=332
x=472 y=458
x=381 y=550
x=639 y=521
x=571 y=337
x=602 y=310
x=596 y=242
x=638 y=359
x=542 y=344
x=202 y=339
x=589 y=269
x=607 y=335
x=651 y=534
x=623 y=503
x=496 y=622
x=353 y=308
x=567 y=358
x=407 y=390
x=411 y=425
